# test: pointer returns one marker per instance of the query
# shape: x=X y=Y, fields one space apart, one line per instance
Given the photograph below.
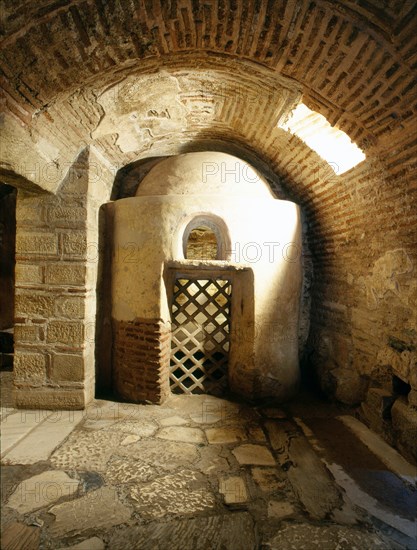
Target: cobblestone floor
x=201 y=473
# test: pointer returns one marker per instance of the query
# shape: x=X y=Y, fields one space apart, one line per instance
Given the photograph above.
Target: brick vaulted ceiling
x=353 y=61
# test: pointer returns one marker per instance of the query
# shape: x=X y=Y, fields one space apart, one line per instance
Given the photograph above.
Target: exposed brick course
x=141 y=352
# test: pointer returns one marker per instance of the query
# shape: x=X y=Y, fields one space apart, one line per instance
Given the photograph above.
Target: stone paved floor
x=201 y=473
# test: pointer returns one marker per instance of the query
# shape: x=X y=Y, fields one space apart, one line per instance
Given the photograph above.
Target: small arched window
x=206 y=238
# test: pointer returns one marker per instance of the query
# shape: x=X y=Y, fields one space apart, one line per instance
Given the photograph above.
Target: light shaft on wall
x=333 y=145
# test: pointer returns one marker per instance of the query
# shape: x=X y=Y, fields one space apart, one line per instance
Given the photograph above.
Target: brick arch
x=354 y=60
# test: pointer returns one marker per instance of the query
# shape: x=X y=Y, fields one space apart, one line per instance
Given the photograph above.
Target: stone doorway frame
x=240 y=369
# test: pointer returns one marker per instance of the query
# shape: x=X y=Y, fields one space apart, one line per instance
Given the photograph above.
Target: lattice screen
x=200 y=335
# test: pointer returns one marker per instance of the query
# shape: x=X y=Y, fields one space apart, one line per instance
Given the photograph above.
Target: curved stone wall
x=264 y=238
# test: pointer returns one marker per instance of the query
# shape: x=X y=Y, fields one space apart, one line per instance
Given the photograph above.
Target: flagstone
x=42 y=490
x=254 y=454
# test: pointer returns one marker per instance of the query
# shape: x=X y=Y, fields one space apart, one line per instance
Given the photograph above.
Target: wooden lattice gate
x=201 y=310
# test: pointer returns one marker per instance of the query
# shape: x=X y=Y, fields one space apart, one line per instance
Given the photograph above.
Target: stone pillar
x=97 y=299
x=56 y=273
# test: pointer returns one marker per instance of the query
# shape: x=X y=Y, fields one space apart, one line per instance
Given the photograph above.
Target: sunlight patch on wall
x=333 y=145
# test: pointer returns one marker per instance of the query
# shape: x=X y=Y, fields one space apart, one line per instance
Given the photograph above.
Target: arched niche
x=206 y=237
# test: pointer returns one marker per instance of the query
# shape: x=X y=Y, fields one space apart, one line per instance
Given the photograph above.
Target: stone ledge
x=49 y=398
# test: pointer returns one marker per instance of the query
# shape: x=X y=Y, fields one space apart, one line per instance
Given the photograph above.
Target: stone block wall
x=362 y=234
x=55 y=296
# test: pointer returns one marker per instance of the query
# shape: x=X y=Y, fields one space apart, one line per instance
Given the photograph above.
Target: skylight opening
x=330 y=143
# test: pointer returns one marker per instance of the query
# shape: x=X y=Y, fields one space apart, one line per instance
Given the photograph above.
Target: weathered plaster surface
x=265 y=238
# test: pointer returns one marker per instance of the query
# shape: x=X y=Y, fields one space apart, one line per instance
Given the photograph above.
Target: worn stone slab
x=51 y=398
x=404 y=530
x=41 y=442
x=233 y=489
x=87 y=450
x=18 y=536
x=112 y=411
x=129 y=439
x=183 y=493
x=210 y=461
x=179 y=433
x=199 y=403
x=308 y=476
x=256 y=434
x=280 y=509
x=380 y=448
x=93 y=543
x=173 y=421
x=16 y=426
x=126 y=469
x=328 y=537
x=206 y=409
x=142 y=428
x=254 y=454
x=221 y=436
x=42 y=490
x=6 y=411
x=269 y=480
x=168 y=455
x=99 y=509
x=215 y=532
x=208 y=416
x=94 y=424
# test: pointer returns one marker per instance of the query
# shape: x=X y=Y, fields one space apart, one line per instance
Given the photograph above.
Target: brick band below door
x=141 y=352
